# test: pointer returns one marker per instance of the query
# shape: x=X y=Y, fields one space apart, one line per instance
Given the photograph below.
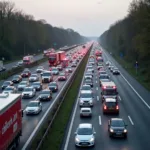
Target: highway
x=10 y=65
x=30 y=122
x=134 y=104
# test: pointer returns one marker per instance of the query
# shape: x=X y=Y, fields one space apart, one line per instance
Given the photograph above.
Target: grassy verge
x=141 y=76
x=55 y=136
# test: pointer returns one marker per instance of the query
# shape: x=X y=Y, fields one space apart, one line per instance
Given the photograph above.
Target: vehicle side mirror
x=126 y=125
x=75 y=133
x=94 y=133
x=108 y=122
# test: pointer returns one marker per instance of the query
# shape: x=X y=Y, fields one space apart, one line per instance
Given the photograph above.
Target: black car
x=37 y=85
x=110 y=105
x=115 y=71
x=7 y=83
x=117 y=128
x=17 y=79
x=88 y=82
x=59 y=68
x=45 y=95
x=53 y=86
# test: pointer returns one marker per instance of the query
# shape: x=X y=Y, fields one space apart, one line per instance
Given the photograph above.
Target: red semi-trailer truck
x=10 y=120
x=56 y=58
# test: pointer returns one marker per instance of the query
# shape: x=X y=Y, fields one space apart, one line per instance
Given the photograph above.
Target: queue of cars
x=85 y=133
x=28 y=84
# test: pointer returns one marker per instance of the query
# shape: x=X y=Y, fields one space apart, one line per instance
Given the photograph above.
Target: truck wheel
x=17 y=141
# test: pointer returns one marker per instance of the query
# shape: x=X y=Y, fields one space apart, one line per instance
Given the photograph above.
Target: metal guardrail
x=53 y=108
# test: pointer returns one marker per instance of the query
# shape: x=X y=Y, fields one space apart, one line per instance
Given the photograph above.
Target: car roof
x=86 y=91
x=116 y=119
x=110 y=100
x=85 y=125
x=36 y=101
x=109 y=83
x=23 y=81
x=85 y=85
x=86 y=108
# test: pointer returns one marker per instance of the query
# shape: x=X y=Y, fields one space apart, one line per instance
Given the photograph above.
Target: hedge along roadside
x=56 y=129
x=5 y=75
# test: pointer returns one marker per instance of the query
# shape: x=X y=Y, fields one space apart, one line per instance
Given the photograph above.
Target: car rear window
x=85 y=110
x=110 y=104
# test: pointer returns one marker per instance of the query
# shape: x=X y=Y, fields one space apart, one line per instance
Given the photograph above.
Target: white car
x=86 y=112
x=28 y=92
x=40 y=69
x=34 y=107
x=10 y=89
x=85 y=135
x=33 y=78
x=22 y=85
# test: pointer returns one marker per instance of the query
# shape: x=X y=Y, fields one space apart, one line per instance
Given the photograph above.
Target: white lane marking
x=96 y=88
x=119 y=98
x=100 y=122
x=135 y=92
x=130 y=120
x=96 y=77
x=96 y=81
x=97 y=98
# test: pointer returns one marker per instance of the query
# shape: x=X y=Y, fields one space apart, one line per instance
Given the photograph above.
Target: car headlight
x=81 y=101
x=111 y=130
x=30 y=94
x=125 y=131
x=92 y=139
x=77 y=140
x=91 y=101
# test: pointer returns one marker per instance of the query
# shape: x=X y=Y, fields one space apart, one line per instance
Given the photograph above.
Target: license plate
x=118 y=133
x=84 y=143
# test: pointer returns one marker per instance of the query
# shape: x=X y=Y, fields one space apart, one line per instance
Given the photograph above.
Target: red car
x=26 y=73
x=62 y=77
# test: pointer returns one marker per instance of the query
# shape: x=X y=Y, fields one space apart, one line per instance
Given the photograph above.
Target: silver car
x=86 y=112
x=85 y=135
x=34 y=107
x=33 y=78
x=28 y=92
x=22 y=85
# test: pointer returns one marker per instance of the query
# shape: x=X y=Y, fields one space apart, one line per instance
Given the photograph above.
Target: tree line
x=129 y=38
x=21 y=34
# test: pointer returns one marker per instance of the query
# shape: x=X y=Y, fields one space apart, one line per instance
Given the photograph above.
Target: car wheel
x=125 y=136
x=110 y=135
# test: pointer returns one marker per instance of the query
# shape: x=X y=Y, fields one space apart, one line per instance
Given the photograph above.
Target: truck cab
x=109 y=90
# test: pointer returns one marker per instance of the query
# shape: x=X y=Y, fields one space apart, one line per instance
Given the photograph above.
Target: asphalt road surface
x=134 y=104
x=10 y=65
x=30 y=122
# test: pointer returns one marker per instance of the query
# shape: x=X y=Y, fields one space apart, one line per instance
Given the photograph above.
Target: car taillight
x=117 y=107
x=114 y=87
x=104 y=87
x=105 y=107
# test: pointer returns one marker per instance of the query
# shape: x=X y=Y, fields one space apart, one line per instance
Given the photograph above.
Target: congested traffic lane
x=30 y=122
x=132 y=111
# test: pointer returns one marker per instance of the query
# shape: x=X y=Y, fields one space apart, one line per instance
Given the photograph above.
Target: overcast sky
x=88 y=17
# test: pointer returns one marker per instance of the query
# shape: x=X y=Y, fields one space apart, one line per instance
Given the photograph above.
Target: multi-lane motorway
x=134 y=104
x=30 y=122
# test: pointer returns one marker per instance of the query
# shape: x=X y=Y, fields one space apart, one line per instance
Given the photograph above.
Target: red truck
x=10 y=120
x=98 y=53
x=56 y=58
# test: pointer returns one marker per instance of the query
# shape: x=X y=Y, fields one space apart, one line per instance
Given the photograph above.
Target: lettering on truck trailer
x=7 y=124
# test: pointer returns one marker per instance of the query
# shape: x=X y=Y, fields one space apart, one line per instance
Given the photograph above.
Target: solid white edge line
x=132 y=88
x=38 y=125
x=135 y=91
x=130 y=120
x=100 y=122
x=73 y=116
x=97 y=98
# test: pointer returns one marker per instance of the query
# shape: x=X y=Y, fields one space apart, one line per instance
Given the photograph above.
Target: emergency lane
x=132 y=110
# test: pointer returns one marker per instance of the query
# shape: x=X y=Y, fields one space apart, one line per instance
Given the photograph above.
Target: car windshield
x=110 y=104
x=109 y=92
x=62 y=74
x=88 y=81
x=115 y=69
x=23 y=83
x=54 y=69
x=117 y=123
x=6 y=83
x=36 y=83
x=16 y=77
x=46 y=74
x=25 y=71
x=27 y=89
x=84 y=131
x=52 y=84
x=45 y=92
x=86 y=95
x=33 y=75
x=104 y=77
x=40 y=67
x=8 y=89
x=86 y=88
x=33 y=104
